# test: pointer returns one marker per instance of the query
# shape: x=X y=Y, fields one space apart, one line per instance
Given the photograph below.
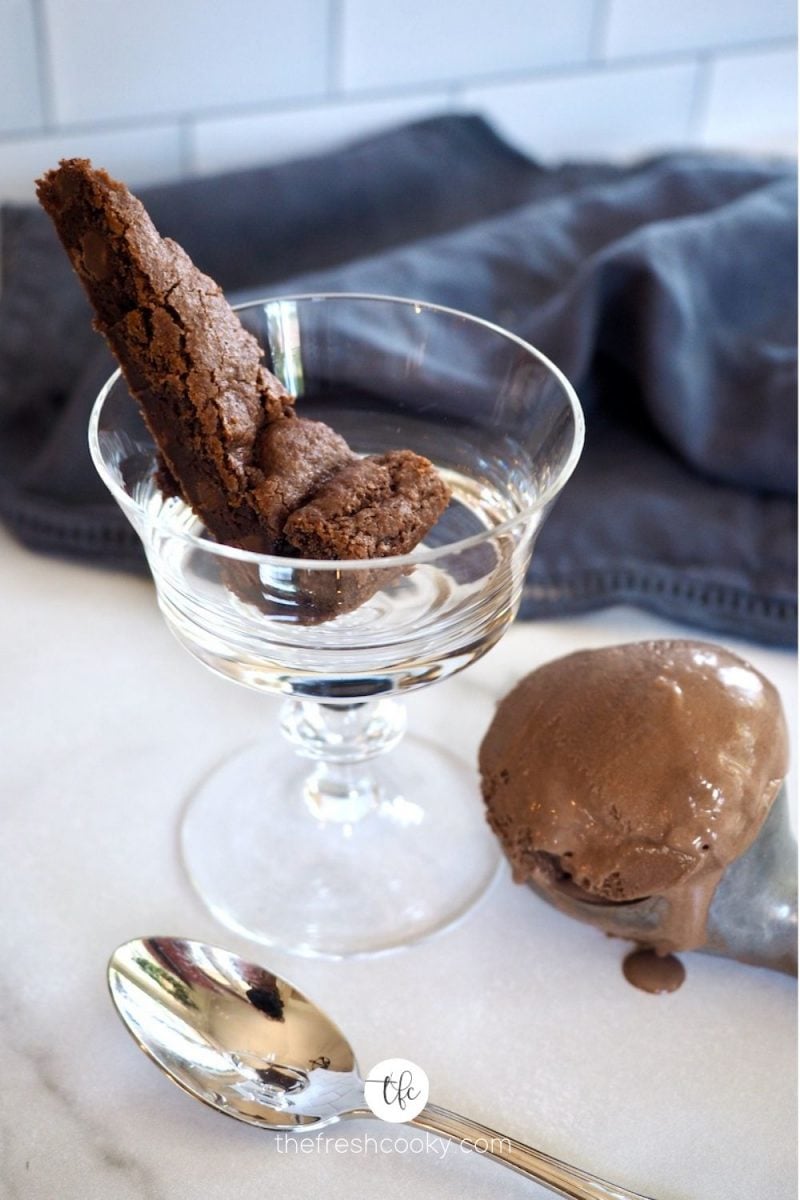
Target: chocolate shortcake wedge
x=195 y=371
x=229 y=442
x=373 y=507
x=296 y=458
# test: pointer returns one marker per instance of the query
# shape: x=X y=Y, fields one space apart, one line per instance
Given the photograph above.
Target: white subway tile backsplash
x=662 y=26
x=226 y=143
x=20 y=101
x=158 y=87
x=138 y=156
x=752 y=103
x=608 y=113
x=113 y=59
x=404 y=42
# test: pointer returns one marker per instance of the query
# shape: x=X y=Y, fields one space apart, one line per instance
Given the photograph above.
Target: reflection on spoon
x=250 y=1045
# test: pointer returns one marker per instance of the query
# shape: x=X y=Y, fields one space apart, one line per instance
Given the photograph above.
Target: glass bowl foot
x=270 y=867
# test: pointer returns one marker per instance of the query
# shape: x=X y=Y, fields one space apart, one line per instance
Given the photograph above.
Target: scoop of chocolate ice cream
x=638 y=770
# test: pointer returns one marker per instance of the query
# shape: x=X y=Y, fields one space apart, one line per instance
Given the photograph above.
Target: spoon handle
x=558 y=1176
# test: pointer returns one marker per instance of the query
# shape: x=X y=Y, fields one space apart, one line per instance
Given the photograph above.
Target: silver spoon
x=250 y=1045
x=753 y=915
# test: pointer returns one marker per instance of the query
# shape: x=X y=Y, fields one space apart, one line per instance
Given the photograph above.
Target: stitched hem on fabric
x=671 y=593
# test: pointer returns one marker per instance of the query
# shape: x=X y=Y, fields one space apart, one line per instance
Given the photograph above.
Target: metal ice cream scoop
x=250 y=1045
x=753 y=914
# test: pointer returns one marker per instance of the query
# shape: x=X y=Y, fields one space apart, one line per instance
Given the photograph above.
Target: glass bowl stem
x=342 y=739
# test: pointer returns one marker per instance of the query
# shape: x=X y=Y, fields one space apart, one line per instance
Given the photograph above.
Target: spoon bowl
x=234 y=1035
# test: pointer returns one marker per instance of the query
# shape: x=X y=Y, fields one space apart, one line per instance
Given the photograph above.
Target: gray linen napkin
x=665 y=291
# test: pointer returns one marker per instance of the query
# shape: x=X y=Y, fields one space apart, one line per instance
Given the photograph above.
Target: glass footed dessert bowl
x=335 y=839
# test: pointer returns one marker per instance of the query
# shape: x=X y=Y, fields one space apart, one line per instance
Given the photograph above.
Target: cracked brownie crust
x=296 y=458
x=195 y=371
x=372 y=508
x=229 y=443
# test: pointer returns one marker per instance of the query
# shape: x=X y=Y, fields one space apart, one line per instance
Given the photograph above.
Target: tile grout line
x=135 y=124
x=334 y=64
x=598 y=31
x=701 y=95
x=446 y=87
x=186 y=155
x=43 y=65
x=608 y=66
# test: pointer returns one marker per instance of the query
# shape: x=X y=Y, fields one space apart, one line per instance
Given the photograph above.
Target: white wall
x=161 y=89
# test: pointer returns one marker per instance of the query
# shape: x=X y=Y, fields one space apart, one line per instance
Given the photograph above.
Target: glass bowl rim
x=414 y=557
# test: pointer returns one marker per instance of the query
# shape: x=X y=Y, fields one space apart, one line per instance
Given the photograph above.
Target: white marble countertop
x=520 y=1017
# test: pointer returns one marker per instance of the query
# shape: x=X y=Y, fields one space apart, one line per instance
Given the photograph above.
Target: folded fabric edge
x=94 y=533
x=98 y=536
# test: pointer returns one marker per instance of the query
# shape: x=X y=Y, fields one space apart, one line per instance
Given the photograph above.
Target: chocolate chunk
x=296 y=459
x=372 y=508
